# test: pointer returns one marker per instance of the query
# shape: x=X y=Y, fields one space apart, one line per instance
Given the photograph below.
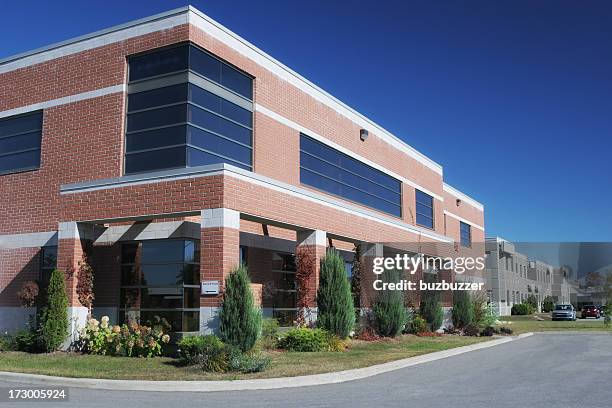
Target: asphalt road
x=545 y=370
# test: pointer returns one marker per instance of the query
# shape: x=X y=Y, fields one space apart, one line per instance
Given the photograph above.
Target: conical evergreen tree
x=389 y=311
x=54 y=318
x=336 y=312
x=240 y=320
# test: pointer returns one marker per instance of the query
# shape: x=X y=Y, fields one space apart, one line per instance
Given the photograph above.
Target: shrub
x=7 y=343
x=305 y=339
x=356 y=276
x=240 y=320
x=27 y=340
x=388 y=308
x=54 y=319
x=417 y=325
x=479 y=308
x=269 y=333
x=471 y=330
x=548 y=304
x=128 y=340
x=431 y=310
x=335 y=343
x=368 y=334
x=490 y=317
x=489 y=331
x=521 y=309
x=505 y=330
x=85 y=284
x=533 y=302
x=463 y=310
x=249 y=362
x=28 y=294
x=336 y=312
x=191 y=348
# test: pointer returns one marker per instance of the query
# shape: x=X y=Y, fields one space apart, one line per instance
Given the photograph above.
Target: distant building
x=511 y=277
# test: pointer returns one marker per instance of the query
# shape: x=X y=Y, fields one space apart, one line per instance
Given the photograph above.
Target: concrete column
x=220 y=253
x=311 y=244
x=369 y=251
x=70 y=248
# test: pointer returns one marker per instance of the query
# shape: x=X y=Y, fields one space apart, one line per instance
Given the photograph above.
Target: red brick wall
x=16 y=267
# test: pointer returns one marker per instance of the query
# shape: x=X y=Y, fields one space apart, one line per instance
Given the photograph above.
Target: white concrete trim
x=258 y=384
x=289 y=123
x=315 y=237
x=101 y=38
x=464 y=197
x=153 y=230
x=64 y=100
x=455 y=216
x=239 y=44
x=253 y=178
x=220 y=218
x=209 y=26
x=28 y=240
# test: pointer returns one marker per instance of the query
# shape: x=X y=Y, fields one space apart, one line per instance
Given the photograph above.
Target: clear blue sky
x=513 y=98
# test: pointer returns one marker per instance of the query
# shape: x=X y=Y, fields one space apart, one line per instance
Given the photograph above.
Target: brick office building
x=169 y=149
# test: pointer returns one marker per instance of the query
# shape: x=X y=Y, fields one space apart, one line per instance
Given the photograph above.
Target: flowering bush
x=131 y=340
x=28 y=293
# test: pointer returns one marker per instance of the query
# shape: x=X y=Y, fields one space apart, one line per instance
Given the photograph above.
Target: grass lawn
x=523 y=324
x=284 y=364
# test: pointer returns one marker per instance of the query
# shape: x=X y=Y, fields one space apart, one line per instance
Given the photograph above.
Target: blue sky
x=514 y=99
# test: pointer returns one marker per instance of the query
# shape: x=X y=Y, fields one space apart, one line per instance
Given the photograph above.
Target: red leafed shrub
x=429 y=334
x=368 y=334
x=85 y=282
x=28 y=293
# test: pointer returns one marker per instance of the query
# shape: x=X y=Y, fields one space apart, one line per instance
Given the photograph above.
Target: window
x=48 y=262
x=329 y=170
x=20 y=138
x=187 y=108
x=466 y=234
x=284 y=296
x=160 y=284
x=424 y=209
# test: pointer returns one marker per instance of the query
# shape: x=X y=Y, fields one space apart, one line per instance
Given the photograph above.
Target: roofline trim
x=189 y=14
x=452 y=190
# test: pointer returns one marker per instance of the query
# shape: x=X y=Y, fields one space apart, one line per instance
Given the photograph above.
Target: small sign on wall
x=210 y=287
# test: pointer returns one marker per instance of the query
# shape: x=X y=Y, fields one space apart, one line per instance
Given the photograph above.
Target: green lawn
x=360 y=354
x=523 y=324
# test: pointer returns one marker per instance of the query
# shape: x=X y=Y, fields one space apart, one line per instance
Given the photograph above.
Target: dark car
x=590 y=311
x=564 y=312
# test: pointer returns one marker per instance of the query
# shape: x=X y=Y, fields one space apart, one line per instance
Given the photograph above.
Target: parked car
x=564 y=312
x=590 y=311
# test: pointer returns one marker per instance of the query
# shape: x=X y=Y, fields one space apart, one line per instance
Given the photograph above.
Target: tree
x=54 y=318
x=85 y=285
x=388 y=308
x=336 y=312
x=463 y=309
x=533 y=301
x=430 y=308
x=305 y=268
x=548 y=304
x=240 y=320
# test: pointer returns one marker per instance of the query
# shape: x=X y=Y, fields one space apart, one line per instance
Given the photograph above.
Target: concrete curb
x=257 y=384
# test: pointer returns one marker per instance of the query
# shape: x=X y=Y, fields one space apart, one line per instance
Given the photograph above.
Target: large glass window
x=48 y=262
x=160 y=284
x=284 y=297
x=187 y=108
x=334 y=172
x=424 y=209
x=466 y=234
x=20 y=138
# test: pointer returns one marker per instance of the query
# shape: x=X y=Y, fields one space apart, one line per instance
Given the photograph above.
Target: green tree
x=548 y=304
x=336 y=312
x=533 y=301
x=54 y=317
x=240 y=319
x=388 y=309
x=430 y=308
x=463 y=309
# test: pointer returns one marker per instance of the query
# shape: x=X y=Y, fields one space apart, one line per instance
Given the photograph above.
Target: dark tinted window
x=220 y=72
x=157 y=134
x=466 y=234
x=20 y=140
x=424 y=209
x=332 y=171
x=158 y=63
